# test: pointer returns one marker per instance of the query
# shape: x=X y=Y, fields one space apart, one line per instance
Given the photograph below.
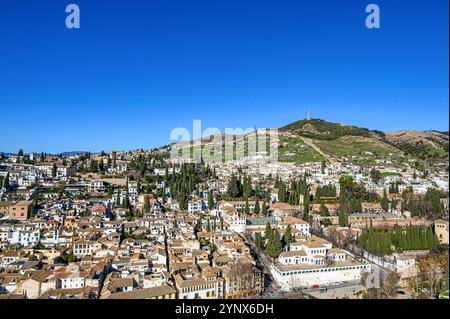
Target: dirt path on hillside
x=310 y=142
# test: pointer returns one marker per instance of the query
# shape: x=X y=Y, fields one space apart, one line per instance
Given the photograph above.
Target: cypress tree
x=282 y=192
x=384 y=201
x=101 y=166
x=125 y=202
x=138 y=186
x=277 y=247
x=6 y=181
x=306 y=206
x=118 y=198
x=268 y=232
x=210 y=200
x=264 y=208
x=323 y=210
x=256 y=210
x=147 y=204
x=110 y=191
x=54 y=171
x=288 y=239
x=247 y=207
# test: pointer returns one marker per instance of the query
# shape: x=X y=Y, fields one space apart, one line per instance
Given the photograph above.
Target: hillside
x=321 y=129
x=336 y=141
x=293 y=149
x=339 y=141
x=315 y=140
x=421 y=144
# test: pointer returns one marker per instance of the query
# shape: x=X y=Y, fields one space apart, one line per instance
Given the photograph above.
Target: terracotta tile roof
x=145 y=293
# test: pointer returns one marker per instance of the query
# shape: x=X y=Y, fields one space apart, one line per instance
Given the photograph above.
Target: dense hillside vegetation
x=320 y=129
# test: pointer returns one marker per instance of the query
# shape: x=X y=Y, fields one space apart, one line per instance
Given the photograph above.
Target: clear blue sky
x=137 y=69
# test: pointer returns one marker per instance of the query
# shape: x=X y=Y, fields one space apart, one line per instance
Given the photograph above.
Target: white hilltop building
x=312 y=262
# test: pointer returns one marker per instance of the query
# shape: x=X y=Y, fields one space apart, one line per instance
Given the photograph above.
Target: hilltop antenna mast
x=307 y=115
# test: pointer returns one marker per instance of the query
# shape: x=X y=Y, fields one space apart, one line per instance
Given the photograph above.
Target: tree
x=247 y=207
x=6 y=181
x=146 y=204
x=393 y=187
x=287 y=237
x=101 y=166
x=234 y=187
x=268 y=232
x=256 y=210
x=343 y=213
x=208 y=226
x=394 y=204
x=355 y=206
x=118 y=198
x=282 y=192
x=148 y=188
x=274 y=246
x=259 y=241
x=164 y=199
x=347 y=184
x=323 y=210
x=210 y=200
x=322 y=167
x=375 y=175
x=110 y=191
x=138 y=186
x=126 y=202
x=93 y=166
x=306 y=206
x=166 y=175
x=343 y=219
x=433 y=197
x=72 y=258
x=264 y=208
x=247 y=186
x=385 y=201
x=326 y=222
x=20 y=153
x=54 y=171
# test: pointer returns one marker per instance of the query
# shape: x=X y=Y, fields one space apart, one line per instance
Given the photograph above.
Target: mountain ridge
x=339 y=139
x=317 y=139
